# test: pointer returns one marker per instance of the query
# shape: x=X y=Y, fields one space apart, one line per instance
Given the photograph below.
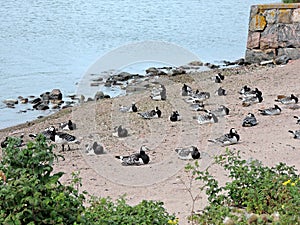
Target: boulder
x=296 y=16
x=257 y=23
x=253 y=40
x=10 y=101
x=55 y=94
x=99 y=95
x=288 y=35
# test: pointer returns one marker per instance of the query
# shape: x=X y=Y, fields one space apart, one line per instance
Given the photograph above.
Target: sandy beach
x=164 y=178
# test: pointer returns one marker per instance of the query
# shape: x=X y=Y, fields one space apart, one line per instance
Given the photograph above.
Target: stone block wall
x=274 y=31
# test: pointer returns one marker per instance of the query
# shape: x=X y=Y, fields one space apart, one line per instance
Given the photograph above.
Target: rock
x=24 y=100
x=98 y=79
x=271 y=16
x=152 y=71
x=10 y=101
x=288 y=35
x=269 y=37
x=59 y=102
x=45 y=96
x=257 y=23
x=99 y=95
x=293 y=53
x=196 y=63
x=94 y=84
x=281 y=60
x=177 y=71
x=251 y=218
x=257 y=56
x=42 y=107
x=211 y=66
x=253 y=40
x=228 y=221
x=55 y=94
x=55 y=106
x=284 y=16
x=296 y=16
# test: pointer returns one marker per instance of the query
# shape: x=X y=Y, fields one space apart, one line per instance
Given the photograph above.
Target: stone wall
x=274 y=32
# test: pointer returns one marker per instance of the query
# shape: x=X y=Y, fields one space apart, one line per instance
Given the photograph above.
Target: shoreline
x=163 y=178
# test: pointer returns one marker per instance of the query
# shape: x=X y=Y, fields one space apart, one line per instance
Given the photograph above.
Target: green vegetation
x=256 y=193
x=31 y=194
x=291 y=1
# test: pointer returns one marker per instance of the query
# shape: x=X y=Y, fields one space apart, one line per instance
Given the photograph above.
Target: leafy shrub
x=291 y=1
x=31 y=194
x=253 y=188
x=105 y=211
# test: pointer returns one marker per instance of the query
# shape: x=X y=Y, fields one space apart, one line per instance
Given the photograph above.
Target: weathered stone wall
x=274 y=31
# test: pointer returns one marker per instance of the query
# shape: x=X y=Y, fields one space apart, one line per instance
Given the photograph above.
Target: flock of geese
x=196 y=100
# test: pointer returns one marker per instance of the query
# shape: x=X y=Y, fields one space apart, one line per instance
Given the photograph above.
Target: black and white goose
x=298 y=119
x=296 y=133
x=155 y=113
x=287 y=99
x=244 y=90
x=198 y=96
x=249 y=120
x=227 y=139
x=221 y=111
x=197 y=106
x=67 y=125
x=175 y=116
x=250 y=93
x=206 y=118
x=62 y=138
x=18 y=141
x=219 y=77
x=187 y=153
x=132 y=108
x=95 y=149
x=250 y=100
x=276 y=110
x=220 y=92
x=46 y=133
x=186 y=90
x=136 y=159
x=120 y=132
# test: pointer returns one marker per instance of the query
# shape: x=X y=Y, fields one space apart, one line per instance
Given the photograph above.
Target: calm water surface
x=50 y=44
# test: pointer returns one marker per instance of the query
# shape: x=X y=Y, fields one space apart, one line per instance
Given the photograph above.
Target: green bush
x=31 y=194
x=291 y=1
x=104 y=211
x=265 y=193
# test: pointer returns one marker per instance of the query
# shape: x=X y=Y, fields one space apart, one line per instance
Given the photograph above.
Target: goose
x=296 y=133
x=250 y=100
x=186 y=90
x=67 y=125
x=175 y=116
x=135 y=159
x=62 y=138
x=227 y=139
x=187 y=153
x=95 y=149
x=120 y=132
x=206 y=118
x=249 y=120
x=287 y=99
x=298 y=119
x=132 y=108
x=271 y=111
x=155 y=113
x=221 y=111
